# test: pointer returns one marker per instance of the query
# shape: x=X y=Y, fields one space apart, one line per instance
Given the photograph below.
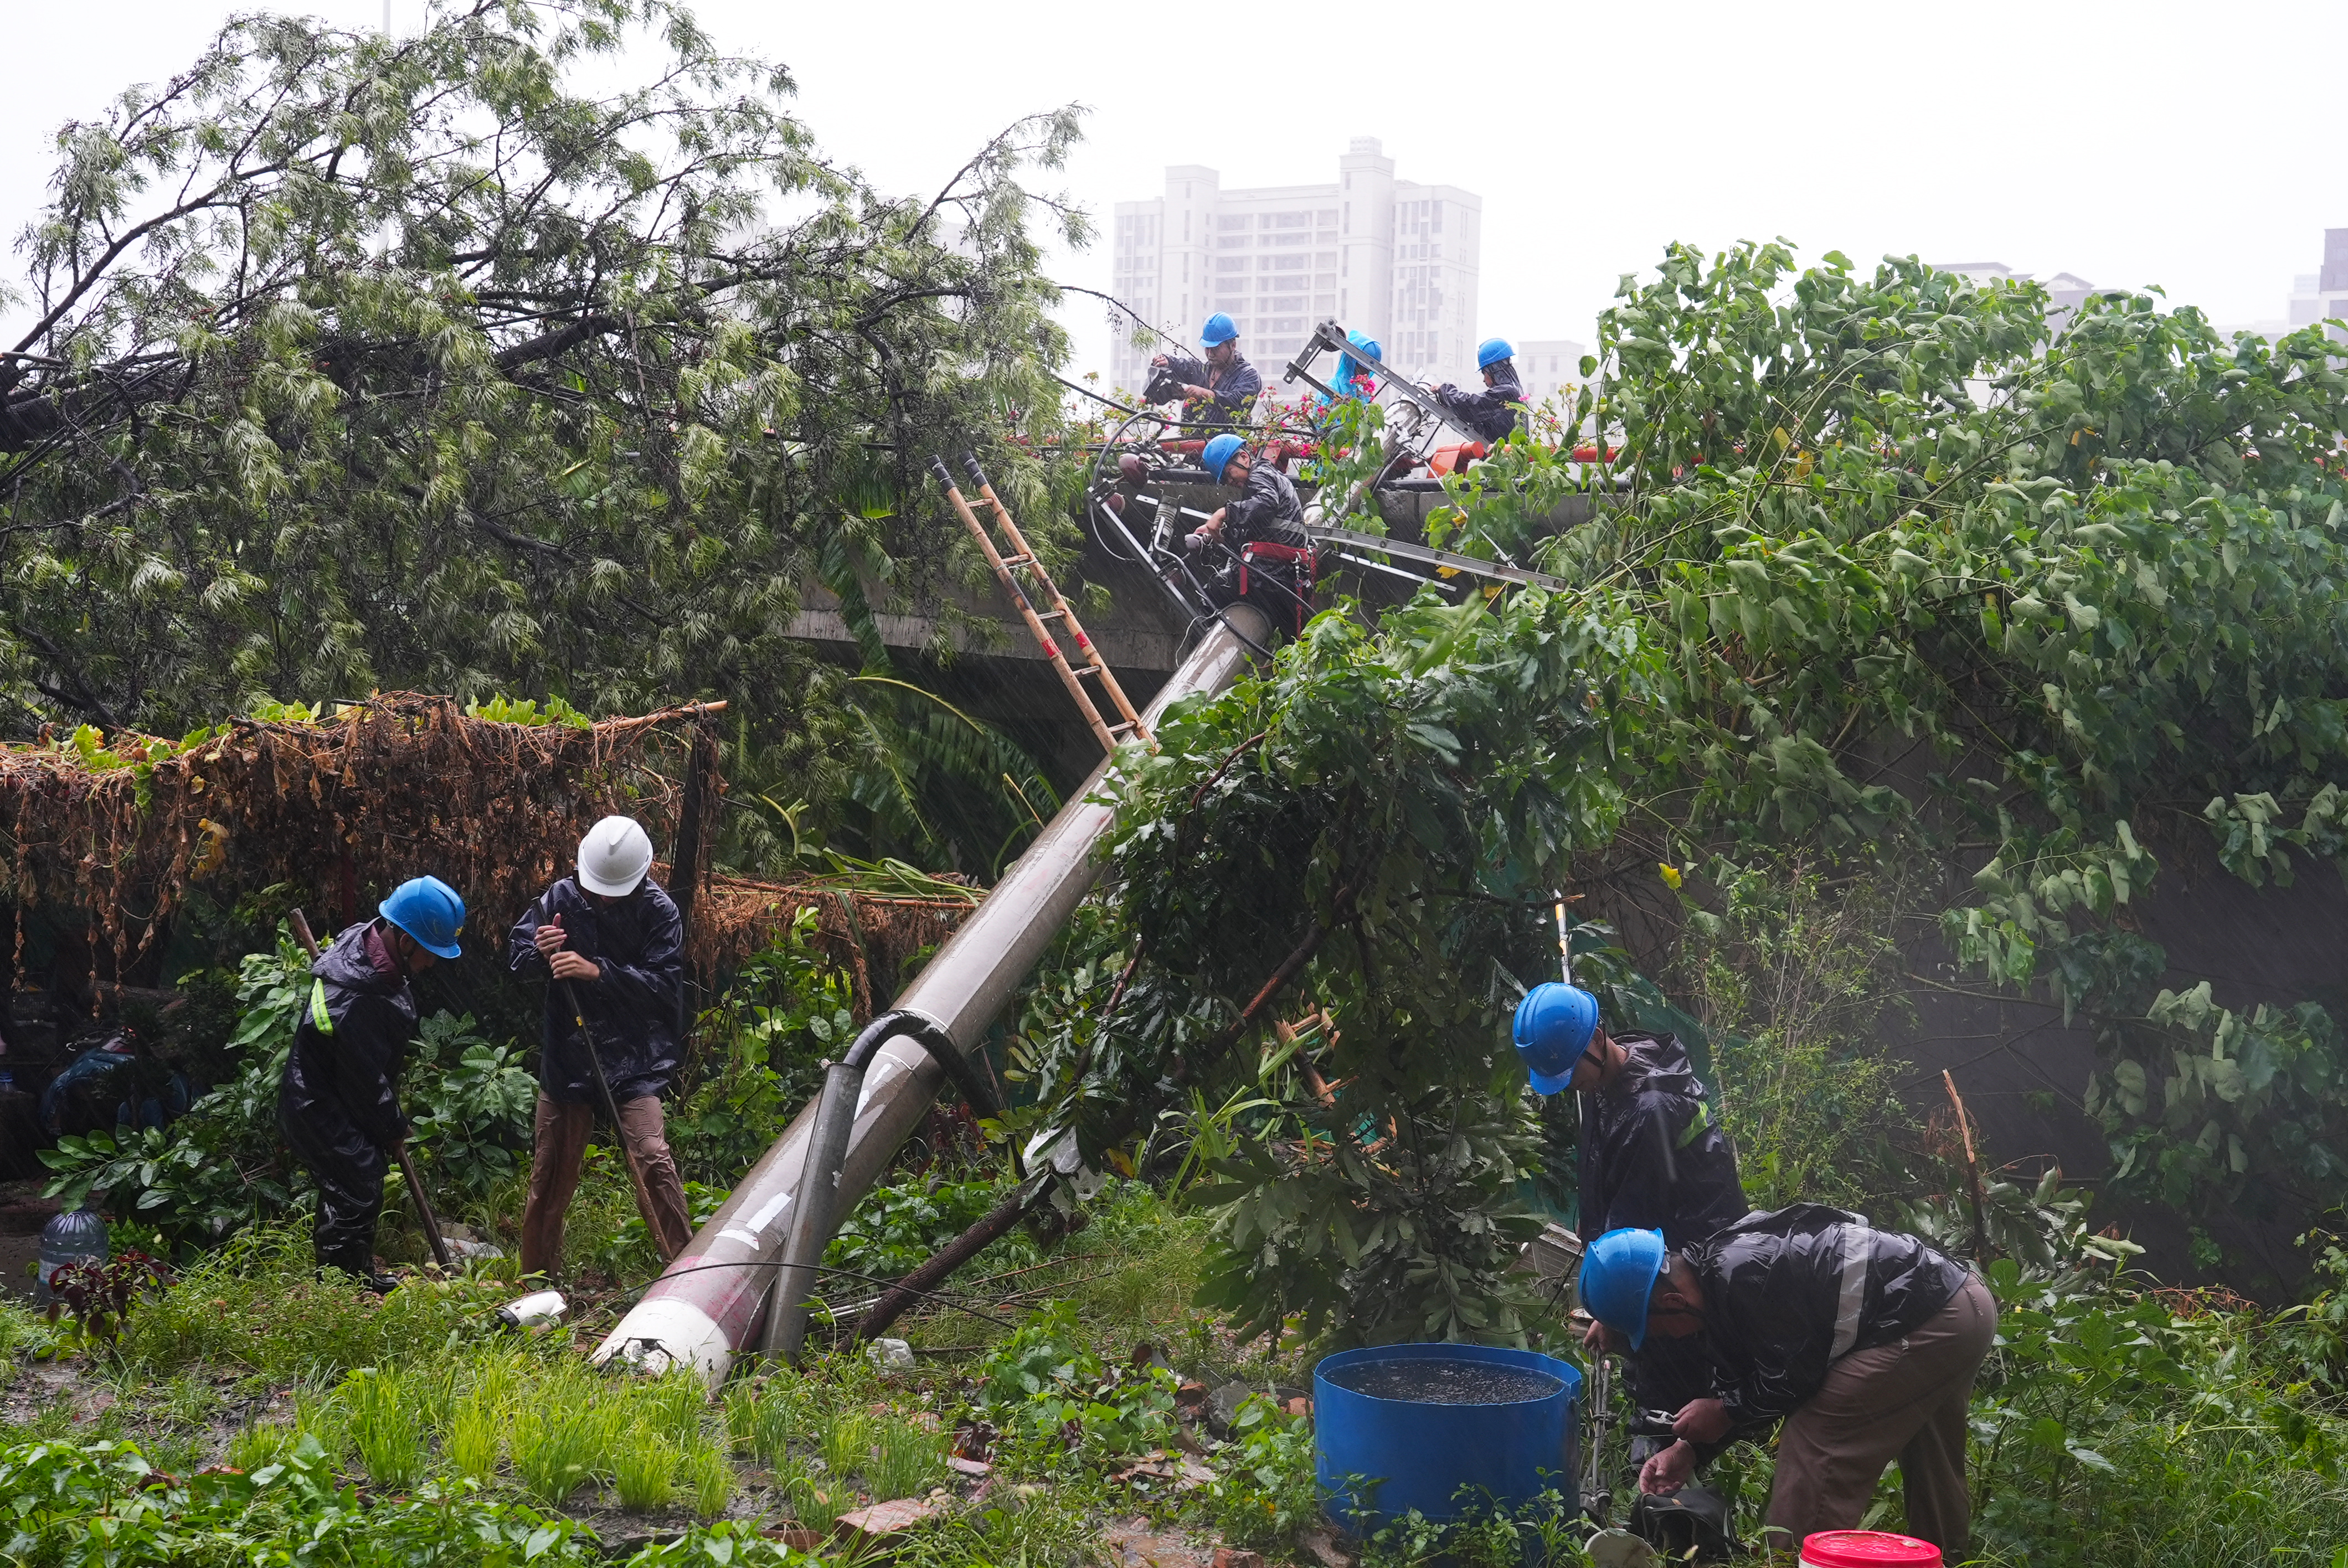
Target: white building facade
x=2322 y=296
x=1546 y=366
x=1388 y=257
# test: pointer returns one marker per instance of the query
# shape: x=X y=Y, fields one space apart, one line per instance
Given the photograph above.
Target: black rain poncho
x=639 y=942
x=338 y=1102
x=1786 y=1293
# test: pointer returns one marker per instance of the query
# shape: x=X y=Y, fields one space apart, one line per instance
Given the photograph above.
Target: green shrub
x=103 y=1504
x=787 y=1008
x=899 y=1226
x=1264 y=1491
x=1046 y=1382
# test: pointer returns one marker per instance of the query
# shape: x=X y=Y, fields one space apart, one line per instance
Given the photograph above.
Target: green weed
x=561 y=1436
x=643 y=1469
x=707 y=1477
x=845 y=1442
x=384 y=1426
x=476 y=1422
x=762 y=1419
x=263 y=1443
x=903 y=1460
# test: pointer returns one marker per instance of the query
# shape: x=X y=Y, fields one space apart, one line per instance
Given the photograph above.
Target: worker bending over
x=610 y=937
x=1498 y=412
x=1863 y=1342
x=1266 y=556
x=1218 y=393
x=338 y=1102
x=1649 y=1155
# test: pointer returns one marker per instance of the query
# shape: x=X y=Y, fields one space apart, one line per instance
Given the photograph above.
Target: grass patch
x=386 y=1427
x=259 y=1304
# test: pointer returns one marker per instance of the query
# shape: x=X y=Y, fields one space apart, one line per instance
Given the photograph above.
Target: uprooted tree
x=357 y=363
x=1899 y=579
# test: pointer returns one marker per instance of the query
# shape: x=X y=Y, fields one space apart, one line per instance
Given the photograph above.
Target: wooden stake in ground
x=301 y=925
x=1972 y=1169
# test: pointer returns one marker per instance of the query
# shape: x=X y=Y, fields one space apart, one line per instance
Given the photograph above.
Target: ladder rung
x=1018 y=561
x=1050 y=614
x=1088 y=669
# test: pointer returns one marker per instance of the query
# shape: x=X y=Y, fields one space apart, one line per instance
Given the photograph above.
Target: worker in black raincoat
x=1218 y=392
x=1649 y=1155
x=1498 y=412
x=1863 y=1343
x=338 y=1102
x=612 y=937
x=1257 y=545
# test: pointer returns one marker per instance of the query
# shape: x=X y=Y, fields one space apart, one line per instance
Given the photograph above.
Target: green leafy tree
x=1375 y=824
x=358 y=363
x=1912 y=577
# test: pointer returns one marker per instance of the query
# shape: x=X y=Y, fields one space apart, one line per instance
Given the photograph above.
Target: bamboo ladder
x=1022 y=557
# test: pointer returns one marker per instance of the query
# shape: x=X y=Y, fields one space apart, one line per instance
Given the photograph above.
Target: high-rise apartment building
x=2322 y=296
x=1388 y=257
x=1546 y=366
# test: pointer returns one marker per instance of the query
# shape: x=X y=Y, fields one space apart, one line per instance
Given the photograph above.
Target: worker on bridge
x=1352 y=382
x=1494 y=414
x=338 y=1099
x=1649 y=1155
x=1265 y=556
x=611 y=935
x=1863 y=1342
x=1219 y=393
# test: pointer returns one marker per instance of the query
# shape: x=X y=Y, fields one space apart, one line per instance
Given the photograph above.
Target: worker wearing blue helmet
x=1218 y=392
x=1863 y=1343
x=1255 y=548
x=338 y=1099
x=1498 y=412
x=1648 y=1154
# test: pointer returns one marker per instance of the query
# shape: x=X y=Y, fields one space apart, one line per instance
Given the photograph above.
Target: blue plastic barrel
x=1417 y=1454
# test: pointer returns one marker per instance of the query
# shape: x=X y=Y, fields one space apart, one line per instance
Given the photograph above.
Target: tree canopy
x=1891 y=574
x=357 y=362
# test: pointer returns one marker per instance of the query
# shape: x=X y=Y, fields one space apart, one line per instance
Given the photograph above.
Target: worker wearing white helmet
x=610 y=944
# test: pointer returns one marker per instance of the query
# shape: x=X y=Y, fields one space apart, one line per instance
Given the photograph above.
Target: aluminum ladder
x=1022 y=558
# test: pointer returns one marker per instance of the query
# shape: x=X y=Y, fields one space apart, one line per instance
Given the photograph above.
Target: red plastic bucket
x=1867 y=1549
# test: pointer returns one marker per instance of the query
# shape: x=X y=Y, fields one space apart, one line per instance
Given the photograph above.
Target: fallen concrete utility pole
x=709 y=1303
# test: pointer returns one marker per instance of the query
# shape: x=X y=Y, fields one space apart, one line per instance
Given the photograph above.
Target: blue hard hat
x=1219 y=455
x=429 y=910
x=1492 y=350
x=1555 y=1024
x=1618 y=1274
x=1218 y=330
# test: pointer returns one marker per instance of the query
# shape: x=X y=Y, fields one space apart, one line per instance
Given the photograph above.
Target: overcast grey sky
x=2192 y=147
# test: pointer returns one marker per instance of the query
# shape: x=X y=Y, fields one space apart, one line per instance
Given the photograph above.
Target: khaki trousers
x=1907 y=1400
x=559 y=1149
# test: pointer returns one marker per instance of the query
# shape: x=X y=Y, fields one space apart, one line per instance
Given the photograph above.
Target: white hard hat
x=615 y=856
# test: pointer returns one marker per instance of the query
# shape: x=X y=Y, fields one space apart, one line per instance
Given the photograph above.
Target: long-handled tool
x=301 y=925
x=570 y=995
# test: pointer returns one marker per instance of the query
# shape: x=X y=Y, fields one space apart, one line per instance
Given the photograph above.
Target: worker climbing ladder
x=1022 y=558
